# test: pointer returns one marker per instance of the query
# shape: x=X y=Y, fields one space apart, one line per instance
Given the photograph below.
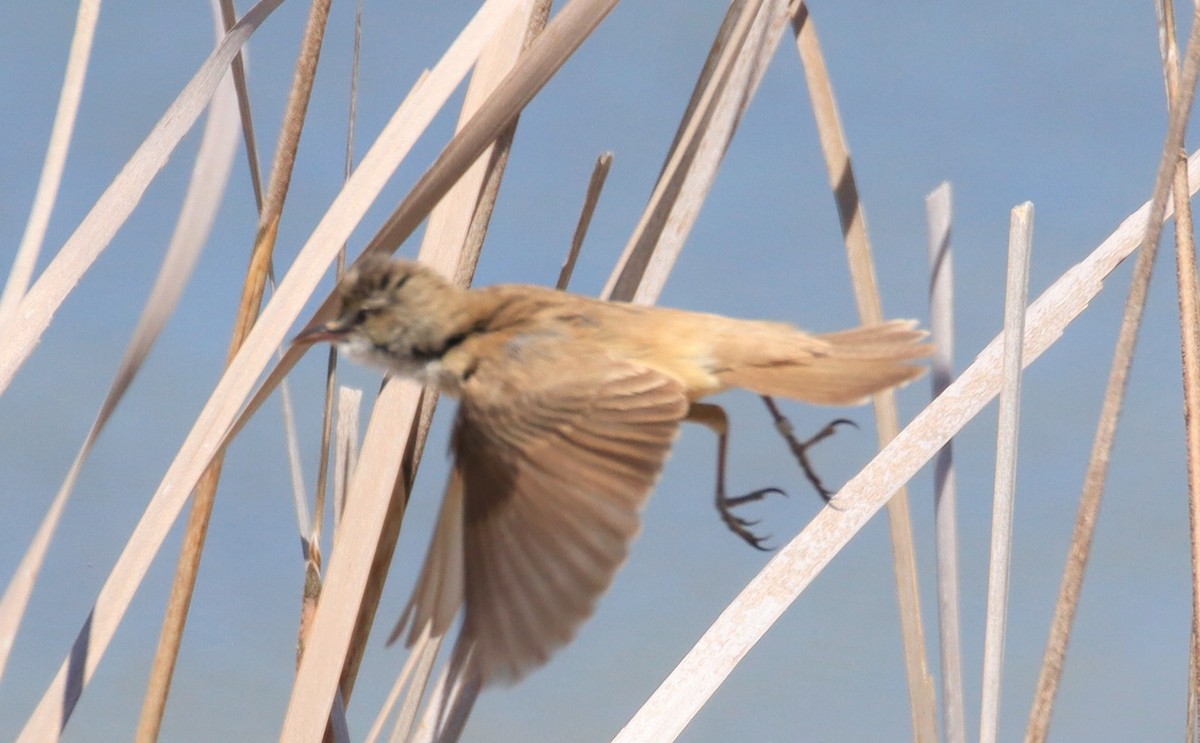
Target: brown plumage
x=569 y=407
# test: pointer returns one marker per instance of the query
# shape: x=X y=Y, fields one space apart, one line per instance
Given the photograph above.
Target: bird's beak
x=331 y=331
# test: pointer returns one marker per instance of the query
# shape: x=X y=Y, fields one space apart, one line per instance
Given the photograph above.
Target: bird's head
x=394 y=314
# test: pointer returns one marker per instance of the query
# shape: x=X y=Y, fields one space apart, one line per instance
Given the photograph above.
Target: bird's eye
x=362 y=314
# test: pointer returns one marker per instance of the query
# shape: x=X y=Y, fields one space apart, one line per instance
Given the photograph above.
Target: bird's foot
x=800 y=449
x=739 y=525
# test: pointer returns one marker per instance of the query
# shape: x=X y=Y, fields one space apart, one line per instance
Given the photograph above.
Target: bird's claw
x=751 y=497
x=739 y=525
x=800 y=451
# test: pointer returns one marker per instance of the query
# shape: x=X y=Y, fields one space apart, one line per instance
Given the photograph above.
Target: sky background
x=1056 y=103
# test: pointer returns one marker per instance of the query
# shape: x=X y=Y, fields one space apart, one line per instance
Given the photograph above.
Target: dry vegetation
x=507 y=54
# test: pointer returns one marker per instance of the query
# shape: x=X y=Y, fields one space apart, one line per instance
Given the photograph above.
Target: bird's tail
x=841 y=368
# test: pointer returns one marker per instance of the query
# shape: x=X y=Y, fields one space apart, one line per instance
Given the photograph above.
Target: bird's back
x=709 y=353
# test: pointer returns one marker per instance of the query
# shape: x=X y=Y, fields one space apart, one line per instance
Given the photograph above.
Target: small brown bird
x=569 y=407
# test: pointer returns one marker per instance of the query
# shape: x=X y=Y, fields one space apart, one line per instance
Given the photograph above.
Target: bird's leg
x=800 y=448
x=713 y=417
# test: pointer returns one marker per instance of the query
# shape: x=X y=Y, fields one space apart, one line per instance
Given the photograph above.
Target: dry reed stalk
x=939 y=212
x=452 y=720
x=339 y=729
x=457 y=226
x=595 y=185
x=196 y=531
x=229 y=19
x=1189 y=325
x=1179 y=191
x=562 y=37
x=1189 y=330
x=213 y=424
x=345 y=446
x=114 y=206
x=51 y=177
x=795 y=566
x=736 y=63
x=349 y=404
x=314 y=539
x=1016 y=296
x=295 y=465
x=1097 y=472
x=419 y=664
x=922 y=700
x=379 y=464
x=731 y=74
x=313 y=542
x=447 y=527
x=424 y=651
x=445 y=715
x=333 y=625
x=196 y=217
x=311 y=529
x=569 y=29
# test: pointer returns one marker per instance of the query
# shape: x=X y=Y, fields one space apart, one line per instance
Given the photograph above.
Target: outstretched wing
x=557 y=448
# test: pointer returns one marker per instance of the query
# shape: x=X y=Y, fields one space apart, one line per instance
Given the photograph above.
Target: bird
x=568 y=409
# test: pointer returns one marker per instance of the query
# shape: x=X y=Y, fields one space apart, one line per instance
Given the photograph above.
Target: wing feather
x=556 y=466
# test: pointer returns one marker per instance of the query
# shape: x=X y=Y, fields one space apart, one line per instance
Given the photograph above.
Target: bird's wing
x=439 y=590
x=557 y=446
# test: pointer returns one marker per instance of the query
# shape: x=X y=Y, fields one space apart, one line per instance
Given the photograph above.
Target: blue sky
x=1056 y=103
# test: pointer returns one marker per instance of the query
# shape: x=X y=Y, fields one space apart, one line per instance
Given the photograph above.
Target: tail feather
x=841 y=368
